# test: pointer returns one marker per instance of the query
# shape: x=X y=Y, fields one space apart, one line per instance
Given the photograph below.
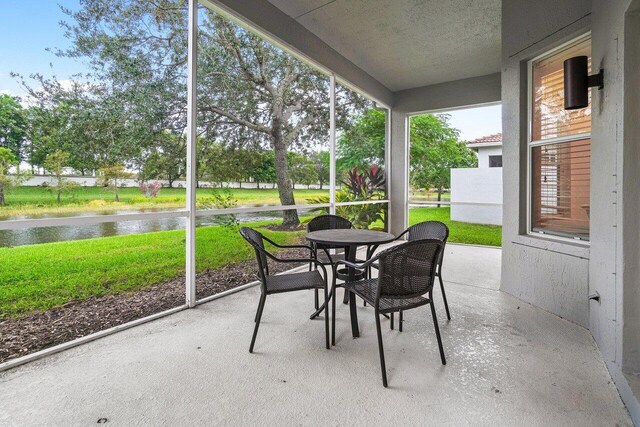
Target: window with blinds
x=560 y=151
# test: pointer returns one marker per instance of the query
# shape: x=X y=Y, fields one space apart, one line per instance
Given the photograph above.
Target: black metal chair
x=406 y=274
x=428 y=230
x=322 y=252
x=275 y=284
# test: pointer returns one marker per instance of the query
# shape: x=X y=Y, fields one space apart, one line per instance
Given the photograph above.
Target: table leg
x=350 y=255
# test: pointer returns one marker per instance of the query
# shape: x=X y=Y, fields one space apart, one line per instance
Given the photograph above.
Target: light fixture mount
x=577 y=82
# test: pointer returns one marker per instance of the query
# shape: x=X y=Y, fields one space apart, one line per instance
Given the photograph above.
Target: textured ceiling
x=407 y=43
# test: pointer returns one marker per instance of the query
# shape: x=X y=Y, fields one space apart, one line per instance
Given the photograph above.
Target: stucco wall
x=476 y=195
x=546 y=273
x=559 y=276
x=455 y=94
x=485 y=152
x=615 y=174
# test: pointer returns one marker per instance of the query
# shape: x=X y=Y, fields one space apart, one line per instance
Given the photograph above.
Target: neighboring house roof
x=486 y=141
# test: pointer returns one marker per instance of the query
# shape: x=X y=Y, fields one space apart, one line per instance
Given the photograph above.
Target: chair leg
x=381 y=350
x=317 y=300
x=326 y=316
x=262 y=297
x=393 y=316
x=333 y=314
x=400 y=322
x=258 y=317
x=444 y=297
x=435 y=324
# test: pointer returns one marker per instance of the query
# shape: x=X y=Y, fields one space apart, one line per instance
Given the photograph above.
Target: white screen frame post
x=192 y=112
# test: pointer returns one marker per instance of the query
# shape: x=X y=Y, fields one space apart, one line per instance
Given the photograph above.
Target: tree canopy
x=13 y=125
x=250 y=93
x=435 y=148
x=263 y=114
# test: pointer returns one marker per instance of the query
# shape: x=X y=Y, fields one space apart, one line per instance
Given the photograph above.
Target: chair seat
x=295 y=282
x=368 y=289
x=324 y=259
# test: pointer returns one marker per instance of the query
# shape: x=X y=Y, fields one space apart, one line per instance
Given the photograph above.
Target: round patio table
x=350 y=240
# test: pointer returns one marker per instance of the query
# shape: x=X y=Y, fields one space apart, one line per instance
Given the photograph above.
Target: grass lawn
x=460 y=232
x=38 y=200
x=39 y=277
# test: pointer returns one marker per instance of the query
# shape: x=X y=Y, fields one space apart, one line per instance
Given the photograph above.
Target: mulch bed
x=34 y=332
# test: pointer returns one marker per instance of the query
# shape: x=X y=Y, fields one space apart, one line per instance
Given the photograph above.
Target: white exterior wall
x=559 y=276
x=484 y=153
x=89 y=181
x=551 y=274
x=476 y=195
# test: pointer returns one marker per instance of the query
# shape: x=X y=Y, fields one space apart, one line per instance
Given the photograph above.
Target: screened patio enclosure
x=544 y=330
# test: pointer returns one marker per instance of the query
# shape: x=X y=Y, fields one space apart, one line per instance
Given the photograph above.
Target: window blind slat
x=550 y=119
x=560 y=172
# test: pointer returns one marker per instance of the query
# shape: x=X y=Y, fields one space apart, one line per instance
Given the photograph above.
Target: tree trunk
x=59 y=193
x=439 y=195
x=285 y=190
x=2 y=201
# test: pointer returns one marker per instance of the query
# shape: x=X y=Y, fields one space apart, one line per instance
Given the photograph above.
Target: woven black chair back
x=255 y=239
x=408 y=270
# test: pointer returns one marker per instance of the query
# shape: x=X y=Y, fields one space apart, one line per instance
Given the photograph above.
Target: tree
x=87 y=120
x=55 y=164
x=252 y=93
x=218 y=164
x=166 y=159
x=112 y=176
x=435 y=150
x=322 y=161
x=7 y=161
x=13 y=126
x=262 y=166
x=362 y=143
x=303 y=169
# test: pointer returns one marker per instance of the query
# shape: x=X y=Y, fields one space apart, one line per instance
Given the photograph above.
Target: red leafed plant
x=366 y=185
x=150 y=189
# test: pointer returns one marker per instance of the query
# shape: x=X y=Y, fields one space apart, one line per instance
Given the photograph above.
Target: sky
x=476 y=122
x=28 y=28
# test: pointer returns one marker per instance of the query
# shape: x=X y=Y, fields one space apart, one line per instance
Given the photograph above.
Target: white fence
x=90 y=181
x=476 y=195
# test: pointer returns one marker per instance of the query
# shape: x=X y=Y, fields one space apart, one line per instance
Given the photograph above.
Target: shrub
x=367 y=185
x=151 y=189
x=220 y=199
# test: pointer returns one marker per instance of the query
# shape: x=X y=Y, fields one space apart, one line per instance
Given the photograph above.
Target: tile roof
x=488 y=139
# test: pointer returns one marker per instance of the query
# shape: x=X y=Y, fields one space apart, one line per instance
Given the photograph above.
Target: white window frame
x=531 y=143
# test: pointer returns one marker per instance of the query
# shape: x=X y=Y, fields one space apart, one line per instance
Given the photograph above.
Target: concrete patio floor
x=509 y=363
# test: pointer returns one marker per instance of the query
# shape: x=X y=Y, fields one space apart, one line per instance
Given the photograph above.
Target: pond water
x=34 y=236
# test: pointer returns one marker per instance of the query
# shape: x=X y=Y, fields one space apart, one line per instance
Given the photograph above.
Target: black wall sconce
x=577 y=82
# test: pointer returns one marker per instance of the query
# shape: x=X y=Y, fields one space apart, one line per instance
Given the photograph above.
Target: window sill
x=576 y=249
